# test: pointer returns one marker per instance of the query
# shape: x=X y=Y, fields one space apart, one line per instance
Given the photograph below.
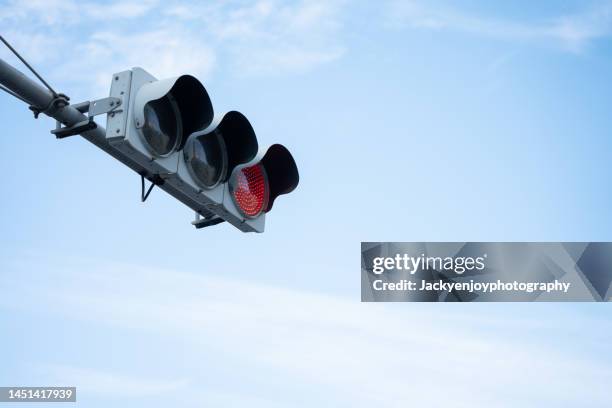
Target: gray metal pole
x=40 y=97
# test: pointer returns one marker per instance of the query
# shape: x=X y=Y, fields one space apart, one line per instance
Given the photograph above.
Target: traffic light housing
x=166 y=128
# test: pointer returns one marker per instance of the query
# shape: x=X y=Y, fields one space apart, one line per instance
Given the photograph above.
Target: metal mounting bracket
x=108 y=105
x=207 y=221
x=156 y=180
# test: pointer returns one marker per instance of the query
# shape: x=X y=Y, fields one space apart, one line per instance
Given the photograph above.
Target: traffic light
x=166 y=128
x=162 y=130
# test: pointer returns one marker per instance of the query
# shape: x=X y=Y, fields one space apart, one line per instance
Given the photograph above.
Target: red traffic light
x=250 y=190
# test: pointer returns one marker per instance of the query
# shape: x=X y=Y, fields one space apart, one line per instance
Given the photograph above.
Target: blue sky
x=410 y=121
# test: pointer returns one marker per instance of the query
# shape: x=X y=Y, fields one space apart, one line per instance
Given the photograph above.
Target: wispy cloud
x=572 y=32
x=88 y=39
x=276 y=37
x=69 y=13
x=165 y=52
x=82 y=40
x=361 y=354
x=98 y=382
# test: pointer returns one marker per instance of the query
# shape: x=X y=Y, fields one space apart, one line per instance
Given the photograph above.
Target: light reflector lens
x=249 y=190
x=162 y=127
x=206 y=158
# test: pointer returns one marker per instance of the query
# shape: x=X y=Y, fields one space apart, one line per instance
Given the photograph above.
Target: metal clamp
x=93 y=109
x=58 y=102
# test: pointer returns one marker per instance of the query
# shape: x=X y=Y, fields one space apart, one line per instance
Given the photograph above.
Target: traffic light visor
x=282 y=172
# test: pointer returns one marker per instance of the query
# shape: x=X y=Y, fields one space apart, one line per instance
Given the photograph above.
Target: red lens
x=249 y=190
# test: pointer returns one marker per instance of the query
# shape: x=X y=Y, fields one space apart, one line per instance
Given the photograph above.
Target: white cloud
x=165 y=52
x=246 y=38
x=384 y=354
x=34 y=46
x=118 y=10
x=67 y=13
x=85 y=42
x=46 y=12
x=571 y=32
x=271 y=37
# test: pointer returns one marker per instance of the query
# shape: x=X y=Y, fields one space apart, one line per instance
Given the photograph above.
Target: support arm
x=40 y=97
